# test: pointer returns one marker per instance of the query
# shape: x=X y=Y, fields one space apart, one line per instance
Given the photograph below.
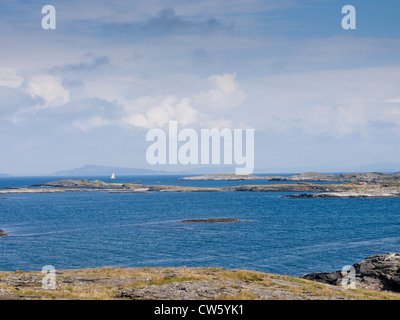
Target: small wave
x=340 y=245
x=176 y=260
x=93 y=228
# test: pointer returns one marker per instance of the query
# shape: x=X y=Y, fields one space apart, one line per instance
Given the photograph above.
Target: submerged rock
x=212 y=220
x=3 y=234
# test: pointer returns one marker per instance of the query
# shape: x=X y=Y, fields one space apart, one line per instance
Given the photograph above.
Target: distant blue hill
x=95 y=170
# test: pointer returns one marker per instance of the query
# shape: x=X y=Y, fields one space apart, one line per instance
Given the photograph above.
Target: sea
x=292 y=236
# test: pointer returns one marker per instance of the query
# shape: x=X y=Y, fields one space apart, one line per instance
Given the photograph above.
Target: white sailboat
x=113 y=176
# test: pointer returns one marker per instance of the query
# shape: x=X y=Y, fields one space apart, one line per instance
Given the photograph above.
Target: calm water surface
x=286 y=236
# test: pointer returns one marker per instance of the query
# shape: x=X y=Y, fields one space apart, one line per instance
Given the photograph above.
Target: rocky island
x=371 y=177
x=225 y=177
x=358 y=185
x=96 y=186
x=212 y=220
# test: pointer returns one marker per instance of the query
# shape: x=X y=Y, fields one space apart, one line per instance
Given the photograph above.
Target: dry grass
x=109 y=272
x=244 y=295
x=104 y=283
x=322 y=290
x=87 y=292
x=251 y=276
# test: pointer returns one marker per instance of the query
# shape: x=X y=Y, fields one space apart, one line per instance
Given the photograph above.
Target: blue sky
x=317 y=95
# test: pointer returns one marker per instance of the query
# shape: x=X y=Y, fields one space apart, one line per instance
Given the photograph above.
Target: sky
x=318 y=96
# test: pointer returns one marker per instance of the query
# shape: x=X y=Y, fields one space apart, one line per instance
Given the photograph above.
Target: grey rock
x=82 y=183
x=2 y=233
x=378 y=272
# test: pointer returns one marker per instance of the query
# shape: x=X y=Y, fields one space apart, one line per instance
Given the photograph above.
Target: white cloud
x=225 y=93
x=50 y=89
x=170 y=108
x=334 y=102
x=394 y=100
x=88 y=124
x=200 y=108
x=10 y=78
x=393 y=114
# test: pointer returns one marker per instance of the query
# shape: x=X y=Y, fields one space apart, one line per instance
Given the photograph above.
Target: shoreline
x=309 y=190
x=204 y=283
x=376 y=275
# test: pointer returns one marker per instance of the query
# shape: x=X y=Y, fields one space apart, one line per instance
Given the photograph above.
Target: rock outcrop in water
x=378 y=272
x=212 y=220
x=3 y=234
x=82 y=183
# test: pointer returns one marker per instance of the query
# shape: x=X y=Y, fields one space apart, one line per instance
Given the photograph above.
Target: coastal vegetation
x=176 y=283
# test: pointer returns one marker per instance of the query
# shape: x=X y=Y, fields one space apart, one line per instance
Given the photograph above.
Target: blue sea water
x=286 y=236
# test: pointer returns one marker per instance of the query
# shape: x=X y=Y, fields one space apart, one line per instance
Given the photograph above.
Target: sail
x=113 y=176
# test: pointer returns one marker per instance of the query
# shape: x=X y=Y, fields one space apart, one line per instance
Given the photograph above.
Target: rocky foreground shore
x=378 y=272
x=377 y=278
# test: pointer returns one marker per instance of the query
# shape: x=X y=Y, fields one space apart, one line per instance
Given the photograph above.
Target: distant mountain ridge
x=97 y=170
